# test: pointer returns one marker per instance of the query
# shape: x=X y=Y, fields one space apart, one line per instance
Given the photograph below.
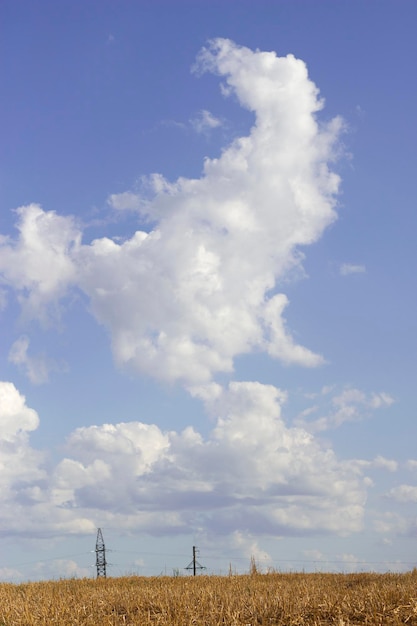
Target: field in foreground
x=287 y=599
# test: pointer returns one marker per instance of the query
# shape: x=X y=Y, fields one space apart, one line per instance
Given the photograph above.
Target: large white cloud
x=182 y=301
x=252 y=474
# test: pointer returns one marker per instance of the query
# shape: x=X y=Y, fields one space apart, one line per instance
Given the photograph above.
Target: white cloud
x=314 y=555
x=251 y=475
x=404 y=493
x=39 y=264
x=390 y=522
x=182 y=301
x=381 y=399
x=349 y=268
x=349 y=406
x=19 y=463
x=26 y=505
x=349 y=562
x=16 y=418
x=126 y=201
x=279 y=342
x=383 y=463
x=205 y=122
x=249 y=546
x=36 y=368
x=9 y=574
x=379 y=462
x=61 y=568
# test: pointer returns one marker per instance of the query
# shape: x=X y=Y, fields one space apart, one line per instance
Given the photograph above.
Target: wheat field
x=253 y=599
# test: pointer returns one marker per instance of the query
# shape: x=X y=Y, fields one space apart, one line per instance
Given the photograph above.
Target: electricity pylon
x=100 y=555
x=195 y=565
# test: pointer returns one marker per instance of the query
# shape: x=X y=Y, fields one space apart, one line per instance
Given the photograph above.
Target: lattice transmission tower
x=100 y=555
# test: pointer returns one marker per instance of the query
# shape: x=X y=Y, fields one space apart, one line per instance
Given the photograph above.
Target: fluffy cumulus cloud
x=38 y=265
x=252 y=474
x=203 y=286
x=20 y=465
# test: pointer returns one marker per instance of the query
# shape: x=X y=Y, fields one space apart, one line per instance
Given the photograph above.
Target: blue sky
x=207 y=290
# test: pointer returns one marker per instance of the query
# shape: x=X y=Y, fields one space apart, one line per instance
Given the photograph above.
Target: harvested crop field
x=273 y=598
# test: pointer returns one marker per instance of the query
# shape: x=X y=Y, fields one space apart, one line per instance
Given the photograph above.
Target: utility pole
x=100 y=555
x=195 y=565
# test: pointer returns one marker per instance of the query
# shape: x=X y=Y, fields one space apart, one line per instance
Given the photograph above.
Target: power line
x=194 y=566
x=232 y=557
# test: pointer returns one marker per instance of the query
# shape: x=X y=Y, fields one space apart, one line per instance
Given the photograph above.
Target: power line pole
x=100 y=555
x=195 y=565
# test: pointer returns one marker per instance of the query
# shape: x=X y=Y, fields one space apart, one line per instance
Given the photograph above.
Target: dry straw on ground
x=287 y=599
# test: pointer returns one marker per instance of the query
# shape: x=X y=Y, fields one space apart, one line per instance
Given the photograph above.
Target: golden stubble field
x=253 y=599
